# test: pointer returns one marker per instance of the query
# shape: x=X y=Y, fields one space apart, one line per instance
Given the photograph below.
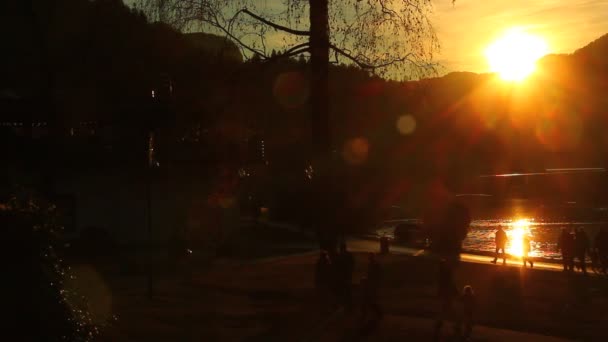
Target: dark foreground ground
x=273 y=299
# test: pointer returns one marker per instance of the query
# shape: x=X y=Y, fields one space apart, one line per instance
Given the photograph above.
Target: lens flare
x=355 y=151
x=406 y=124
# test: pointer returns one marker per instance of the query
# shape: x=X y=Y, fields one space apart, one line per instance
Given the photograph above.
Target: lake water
x=543 y=235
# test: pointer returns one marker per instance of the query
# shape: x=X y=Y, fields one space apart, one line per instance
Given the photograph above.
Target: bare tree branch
x=390 y=37
x=409 y=58
x=275 y=26
x=239 y=42
x=307 y=44
x=352 y=58
x=295 y=52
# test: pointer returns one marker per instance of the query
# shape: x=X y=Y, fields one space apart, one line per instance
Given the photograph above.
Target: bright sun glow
x=513 y=56
x=516 y=235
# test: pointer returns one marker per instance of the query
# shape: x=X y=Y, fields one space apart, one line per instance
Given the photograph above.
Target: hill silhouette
x=218 y=46
x=392 y=140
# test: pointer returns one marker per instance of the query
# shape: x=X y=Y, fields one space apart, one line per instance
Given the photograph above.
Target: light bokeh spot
x=96 y=295
x=291 y=89
x=406 y=124
x=356 y=151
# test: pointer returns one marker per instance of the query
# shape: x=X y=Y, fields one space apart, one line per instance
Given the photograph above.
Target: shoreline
x=366 y=245
x=480 y=238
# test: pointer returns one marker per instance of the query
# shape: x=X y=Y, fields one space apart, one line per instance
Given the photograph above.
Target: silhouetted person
x=500 y=238
x=526 y=248
x=601 y=248
x=447 y=292
x=447 y=235
x=370 y=286
x=344 y=266
x=581 y=248
x=468 y=308
x=323 y=277
x=566 y=245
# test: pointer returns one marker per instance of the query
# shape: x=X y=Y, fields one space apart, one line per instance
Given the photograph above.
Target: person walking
x=601 y=248
x=565 y=244
x=526 y=248
x=468 y=308
x=323 y=279
x=447 y=293
x=500 y=239
x=581 y=248
x=370 y=286
x=345 y=264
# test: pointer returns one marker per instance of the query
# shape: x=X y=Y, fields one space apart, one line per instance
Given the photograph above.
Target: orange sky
x=466 y=28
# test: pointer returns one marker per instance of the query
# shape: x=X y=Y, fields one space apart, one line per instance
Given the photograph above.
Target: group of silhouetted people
x=334 y=282
x=573 y=245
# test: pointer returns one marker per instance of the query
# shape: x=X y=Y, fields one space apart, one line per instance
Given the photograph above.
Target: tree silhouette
x=373 y=35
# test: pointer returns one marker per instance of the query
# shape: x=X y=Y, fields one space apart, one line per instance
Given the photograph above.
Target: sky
x=465 y=28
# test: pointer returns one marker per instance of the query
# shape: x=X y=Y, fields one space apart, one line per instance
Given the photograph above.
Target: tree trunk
x=319 y=59
x=321 y=139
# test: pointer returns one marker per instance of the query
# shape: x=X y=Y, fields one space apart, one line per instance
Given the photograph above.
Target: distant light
x=153 y=94
x=548 y=172
x=510 y=175
x=309 y=172
x=595 y=169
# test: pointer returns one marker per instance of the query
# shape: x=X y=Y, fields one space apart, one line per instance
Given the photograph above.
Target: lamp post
x=149 y=166
x=160 y=112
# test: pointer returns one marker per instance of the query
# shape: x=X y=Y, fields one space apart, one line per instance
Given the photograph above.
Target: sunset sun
x=513 y=56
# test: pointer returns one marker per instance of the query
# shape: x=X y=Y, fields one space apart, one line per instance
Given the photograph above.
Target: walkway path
x=408 y=328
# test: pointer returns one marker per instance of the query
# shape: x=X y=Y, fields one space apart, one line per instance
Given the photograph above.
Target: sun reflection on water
x=519 y=229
